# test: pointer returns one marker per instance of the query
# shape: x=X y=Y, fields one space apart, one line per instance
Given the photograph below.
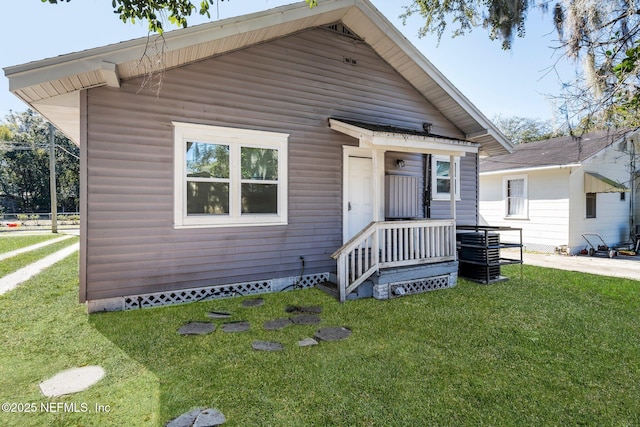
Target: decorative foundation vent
x=221 y=291
x=193 y=295
x=400 y=289
x=312 y=280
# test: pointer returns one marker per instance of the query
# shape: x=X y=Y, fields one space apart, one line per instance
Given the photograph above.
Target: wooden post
x=52 y=179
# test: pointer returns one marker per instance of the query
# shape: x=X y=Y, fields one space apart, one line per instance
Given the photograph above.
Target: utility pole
x=52 y=179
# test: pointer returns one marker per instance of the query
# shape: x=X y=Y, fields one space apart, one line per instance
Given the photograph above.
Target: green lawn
x=555 y=348
x=10 y=241
x=16 y=262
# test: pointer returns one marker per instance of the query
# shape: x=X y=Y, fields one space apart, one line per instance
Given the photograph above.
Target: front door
x=359 y=200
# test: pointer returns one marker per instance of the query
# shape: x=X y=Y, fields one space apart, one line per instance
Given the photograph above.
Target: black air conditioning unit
x=479 y=256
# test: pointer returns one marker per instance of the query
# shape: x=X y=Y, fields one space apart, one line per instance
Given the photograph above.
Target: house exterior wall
x=612 y=221
x=547 y=223
x=557 y=204
x=291 y=85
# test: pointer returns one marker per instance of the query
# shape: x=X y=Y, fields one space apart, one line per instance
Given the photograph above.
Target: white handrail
x=393 y=244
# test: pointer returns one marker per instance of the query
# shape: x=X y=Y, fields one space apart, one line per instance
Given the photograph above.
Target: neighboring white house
x=558 y=189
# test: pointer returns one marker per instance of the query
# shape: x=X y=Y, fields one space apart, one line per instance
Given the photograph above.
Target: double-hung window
x=515 y=196
x=441 y=177
x=227 y=176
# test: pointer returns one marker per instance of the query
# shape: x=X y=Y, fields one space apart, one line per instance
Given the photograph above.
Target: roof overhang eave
x=107 y=65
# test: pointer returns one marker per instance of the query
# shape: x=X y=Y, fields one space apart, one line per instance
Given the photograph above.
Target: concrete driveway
x=620 y=266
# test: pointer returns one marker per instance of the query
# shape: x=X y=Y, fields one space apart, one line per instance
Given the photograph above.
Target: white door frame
x=377 y=180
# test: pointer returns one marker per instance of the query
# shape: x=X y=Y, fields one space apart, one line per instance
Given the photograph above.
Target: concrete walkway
x=33 y=247
x=11 y=281
x=621 y=266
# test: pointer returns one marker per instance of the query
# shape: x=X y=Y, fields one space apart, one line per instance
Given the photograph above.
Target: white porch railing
x=393 y=244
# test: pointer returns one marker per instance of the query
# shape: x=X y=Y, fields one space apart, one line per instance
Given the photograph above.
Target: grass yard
x=556 y=348
x=16 y=262
x=10 y=241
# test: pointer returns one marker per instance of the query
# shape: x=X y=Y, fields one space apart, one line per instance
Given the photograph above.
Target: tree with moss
x=602 y=35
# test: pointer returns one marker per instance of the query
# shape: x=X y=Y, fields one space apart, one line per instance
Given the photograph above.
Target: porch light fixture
x=400 y=163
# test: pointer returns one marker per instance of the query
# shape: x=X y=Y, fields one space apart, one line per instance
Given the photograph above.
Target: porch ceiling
x=401 y=139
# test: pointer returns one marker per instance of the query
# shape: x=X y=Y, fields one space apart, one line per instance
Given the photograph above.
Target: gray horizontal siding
x=292 y=85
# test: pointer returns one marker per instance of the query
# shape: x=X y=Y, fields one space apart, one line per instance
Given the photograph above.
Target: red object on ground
x=12 y=224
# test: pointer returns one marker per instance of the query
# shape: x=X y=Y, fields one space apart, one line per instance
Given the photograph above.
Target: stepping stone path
x=218 y=315
x=233 y=327
x=255 y=302
x=307 y=342
x=277 y=324
x=306 y=319
x=197 y=328
x=71 y=381
x=199 y=417
x=332 y=334
x=267 y=346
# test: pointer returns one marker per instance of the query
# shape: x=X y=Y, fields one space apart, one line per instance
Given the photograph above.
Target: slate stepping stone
x=71 y=381
x=267 y=346
x=209 y=418
x=199 y=417
x=306 y=319
x=185 y=420
x=254 y=302
x=236 y=327
x=218 y=315
x=307 y=342
x=298 y=309
x=332 y=334
x=197 y=328
x=277 y=324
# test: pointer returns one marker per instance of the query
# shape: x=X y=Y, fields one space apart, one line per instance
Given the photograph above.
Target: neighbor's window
x=591 y=205
x=227 y=176
x=515 y=196
x=441 y=177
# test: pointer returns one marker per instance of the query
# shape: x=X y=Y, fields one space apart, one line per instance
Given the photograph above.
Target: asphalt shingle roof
x=560 y=151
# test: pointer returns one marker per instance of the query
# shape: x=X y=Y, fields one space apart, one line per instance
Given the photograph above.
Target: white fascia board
x=348 y=129
x=531 y=169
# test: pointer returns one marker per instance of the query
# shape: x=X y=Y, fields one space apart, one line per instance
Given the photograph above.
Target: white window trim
x=435 y=195
x=234 y=138
x=505 y=181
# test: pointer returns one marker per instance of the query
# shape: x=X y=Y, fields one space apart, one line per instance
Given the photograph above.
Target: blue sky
x=506 y=83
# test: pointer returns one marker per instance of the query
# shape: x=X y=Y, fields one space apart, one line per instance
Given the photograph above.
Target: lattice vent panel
x=313 y=279
x=200 y=294
x=400 y=289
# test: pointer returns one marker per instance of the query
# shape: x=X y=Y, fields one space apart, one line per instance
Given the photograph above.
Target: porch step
x=403 y=274
x=365 y=290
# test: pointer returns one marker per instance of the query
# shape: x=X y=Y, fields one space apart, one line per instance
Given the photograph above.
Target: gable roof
x=555 y=152
x=51 y=86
